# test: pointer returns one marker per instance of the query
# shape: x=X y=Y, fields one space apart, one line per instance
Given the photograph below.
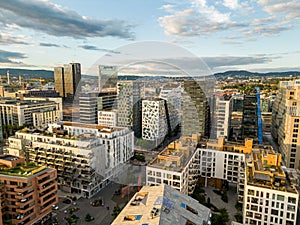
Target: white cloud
x=231 y=4
x=290 y=9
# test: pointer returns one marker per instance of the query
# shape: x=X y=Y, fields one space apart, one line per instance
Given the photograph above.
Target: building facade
x=269 y=197
x=195 y=109
x=35 y=113
x=107 y=118
x=108 y=78
x=88 y=107
x=285 y=122
x=27 y=193
x=66 y=79
x=154 y=120
x=85 y=156
x=130 y=106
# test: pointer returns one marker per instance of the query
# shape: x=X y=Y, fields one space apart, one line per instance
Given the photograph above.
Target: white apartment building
x=177 y=166
x=222 y=115
x=269 y=197
x=107 y=118
x=118 y=143
x=36 y=113
x=85 y=156
x=154 y=120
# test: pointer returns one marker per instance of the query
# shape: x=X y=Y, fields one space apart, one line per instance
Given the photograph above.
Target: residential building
x=66 y=79
x=88 y=107
x=285 y=122
x=269 y=197
x=195 y=109
x=86 y=156
x=130 y=106
x=163 y=205
x=108 y=78
x=107 y=118
x=177 y=165
x=29 y=112
x=222 y=115
x=28 y=192
x=154 y=120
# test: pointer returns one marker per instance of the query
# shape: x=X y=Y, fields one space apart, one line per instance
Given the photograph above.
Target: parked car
x=55 y=207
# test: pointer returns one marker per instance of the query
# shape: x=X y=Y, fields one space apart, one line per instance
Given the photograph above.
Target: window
x=296 y=120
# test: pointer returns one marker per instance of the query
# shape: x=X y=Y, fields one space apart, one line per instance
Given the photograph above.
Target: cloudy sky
x=256 y=35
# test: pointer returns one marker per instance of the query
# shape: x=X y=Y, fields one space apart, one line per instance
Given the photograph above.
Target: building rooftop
x=15 y=166
x=264 y=170
x=176 y=156
x=12 y=101
x=162 y=205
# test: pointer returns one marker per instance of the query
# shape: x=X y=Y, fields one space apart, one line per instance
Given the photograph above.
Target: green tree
x=116 y=211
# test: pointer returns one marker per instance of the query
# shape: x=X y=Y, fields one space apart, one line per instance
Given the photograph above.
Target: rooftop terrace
x=176 y=156
x=265 y=170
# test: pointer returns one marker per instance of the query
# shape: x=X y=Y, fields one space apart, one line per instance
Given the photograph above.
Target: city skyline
x=226 y=35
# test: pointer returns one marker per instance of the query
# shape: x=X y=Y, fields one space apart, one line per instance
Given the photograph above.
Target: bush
x=238 y=217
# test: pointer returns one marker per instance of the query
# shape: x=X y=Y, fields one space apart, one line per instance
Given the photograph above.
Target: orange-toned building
x=27 y=192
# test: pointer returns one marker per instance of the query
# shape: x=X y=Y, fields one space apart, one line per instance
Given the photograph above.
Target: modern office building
x=88 y=107
x=172 y=94
x=28 y=192
x=249 y=125
x=177 y=165
x=285 y=122
x=107 y=100
x=222 y=115
x=269 y=197
x=162 y=204
x=66 y=79
x=195 y=109
x=86 y=156
x=108 y=78
x=29 y=112
x=107 y=118
x=154 y=120
x=130 y=106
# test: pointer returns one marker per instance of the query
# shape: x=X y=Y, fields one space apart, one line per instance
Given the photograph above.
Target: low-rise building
x=163 y=205
x=107 y=118
x=269 y=197
x=177 y=165
x=85 y=156
x=27 y=192
x=29 y=112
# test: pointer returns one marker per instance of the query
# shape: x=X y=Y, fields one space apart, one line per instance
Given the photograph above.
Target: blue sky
x=260 y=35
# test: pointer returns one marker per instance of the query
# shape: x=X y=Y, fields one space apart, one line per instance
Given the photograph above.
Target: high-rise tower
x=129 y=106
x=66 y=79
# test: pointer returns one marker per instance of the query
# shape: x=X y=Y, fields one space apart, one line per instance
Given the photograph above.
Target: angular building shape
x=27 y=192
x=66 y=79
x=86 y=156
x=29 y=112
x=269 y=197
x=286 y=122
x=195 y=109
x=172 y=94
x=107 y=100
x=130 y=106
x=163 y=205
x=154 y=120
x=108 y=78
x=177 y=165
x=88 y=107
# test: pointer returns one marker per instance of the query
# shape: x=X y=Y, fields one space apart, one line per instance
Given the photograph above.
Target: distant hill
x=47 y=74
x=244 y=73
